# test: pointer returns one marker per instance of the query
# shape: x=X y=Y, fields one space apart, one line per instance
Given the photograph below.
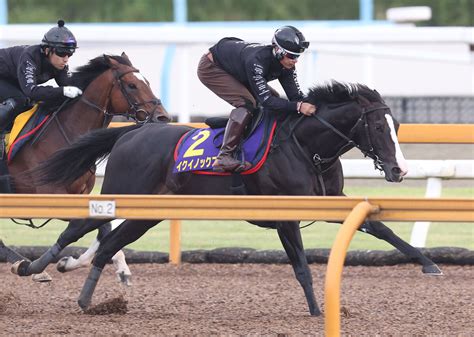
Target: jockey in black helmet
x=22 y=68
x=238 y=72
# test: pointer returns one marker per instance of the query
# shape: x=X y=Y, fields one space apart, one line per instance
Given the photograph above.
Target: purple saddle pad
x=197 y=149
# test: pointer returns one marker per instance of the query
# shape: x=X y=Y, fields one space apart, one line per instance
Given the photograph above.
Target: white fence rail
x=395 y=60
x=434 y=171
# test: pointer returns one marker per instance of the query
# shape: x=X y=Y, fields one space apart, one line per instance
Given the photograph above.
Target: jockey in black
x=22 y=68
x=238 y=72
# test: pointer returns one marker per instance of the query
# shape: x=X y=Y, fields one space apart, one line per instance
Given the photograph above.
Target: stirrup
x=244 y=166
x=238 y=166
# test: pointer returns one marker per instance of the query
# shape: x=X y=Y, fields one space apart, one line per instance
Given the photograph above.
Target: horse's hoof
x=61 y=265
x=124 y=278
x=83 y=304
x=432 y=270
x=42 y=278
x=315 y=311
x=20 y=267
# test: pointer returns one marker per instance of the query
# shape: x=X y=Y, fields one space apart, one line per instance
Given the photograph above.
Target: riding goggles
x=291 y=56
x=63 y=52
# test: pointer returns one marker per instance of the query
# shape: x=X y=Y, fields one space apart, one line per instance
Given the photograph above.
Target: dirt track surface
x=250 y=299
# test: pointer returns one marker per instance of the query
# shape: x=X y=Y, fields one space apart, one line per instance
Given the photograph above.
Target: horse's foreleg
x=9 y=254
x=74 y=231
x=290 y=236
x=69 y=263
x=15 y=259
x=380 y=231
x=128 y=232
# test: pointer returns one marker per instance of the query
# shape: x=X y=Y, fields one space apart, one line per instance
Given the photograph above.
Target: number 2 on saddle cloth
x=197 y=149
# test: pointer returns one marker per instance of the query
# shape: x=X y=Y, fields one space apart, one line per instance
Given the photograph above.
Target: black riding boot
x=6 y=110
x=234 y=130
x=5 y=186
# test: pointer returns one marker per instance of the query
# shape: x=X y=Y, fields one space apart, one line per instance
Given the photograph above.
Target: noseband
x=133 y=107
x=370 y=152
x=317 y=162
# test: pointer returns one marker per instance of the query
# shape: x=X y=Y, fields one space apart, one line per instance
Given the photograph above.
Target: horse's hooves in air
x=41 y=278
x=61 y=265
x=432 y=270
x=124 y=278
x=19 y=267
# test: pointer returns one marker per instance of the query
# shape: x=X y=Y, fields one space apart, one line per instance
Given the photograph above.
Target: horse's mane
x=338 y=92
x=85 y=74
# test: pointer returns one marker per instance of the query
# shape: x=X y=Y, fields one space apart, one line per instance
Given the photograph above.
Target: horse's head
x=131 y=93
x=364 y=121
x=376 y=135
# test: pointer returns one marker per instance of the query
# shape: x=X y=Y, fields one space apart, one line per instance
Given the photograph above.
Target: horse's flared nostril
x=396 y=170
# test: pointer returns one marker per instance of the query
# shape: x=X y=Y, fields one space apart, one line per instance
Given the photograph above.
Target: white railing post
x=420 y=229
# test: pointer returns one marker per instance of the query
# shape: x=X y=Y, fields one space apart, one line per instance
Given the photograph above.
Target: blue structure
x=3 y=12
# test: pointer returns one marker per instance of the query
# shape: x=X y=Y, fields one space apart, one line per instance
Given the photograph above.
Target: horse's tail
x=72 y=162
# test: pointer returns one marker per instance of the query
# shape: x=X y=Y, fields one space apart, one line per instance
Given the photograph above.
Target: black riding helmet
x=60 y=38
x=290 y=40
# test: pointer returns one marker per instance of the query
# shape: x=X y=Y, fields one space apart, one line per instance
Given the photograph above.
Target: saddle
x=24 y=127
x=197 y=149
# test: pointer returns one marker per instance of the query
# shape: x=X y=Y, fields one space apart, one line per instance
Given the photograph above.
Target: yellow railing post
x=175 y=242
x=332 y=319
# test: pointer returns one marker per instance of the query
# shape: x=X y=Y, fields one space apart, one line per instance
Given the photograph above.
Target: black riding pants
x=11 y=90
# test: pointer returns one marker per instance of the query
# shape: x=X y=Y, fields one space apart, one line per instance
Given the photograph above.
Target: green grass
x=212 y=234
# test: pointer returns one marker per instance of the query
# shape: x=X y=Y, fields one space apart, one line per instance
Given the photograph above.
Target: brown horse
x=112 y=87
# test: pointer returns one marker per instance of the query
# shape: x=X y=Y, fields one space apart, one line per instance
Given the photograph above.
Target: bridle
x=317 y=162
x=131 y=113
x=350 y=143
x=133 y=107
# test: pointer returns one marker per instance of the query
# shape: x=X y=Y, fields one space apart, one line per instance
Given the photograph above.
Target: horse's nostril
x=396 y=170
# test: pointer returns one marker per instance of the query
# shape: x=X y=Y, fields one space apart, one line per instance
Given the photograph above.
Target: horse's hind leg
x=128 y=232
x=380 y=231
x=74 y=231
x=69 y=263
x=124 y=275
x=290 y=236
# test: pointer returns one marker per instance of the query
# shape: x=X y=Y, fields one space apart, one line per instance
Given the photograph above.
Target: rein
x=48 y=122
x=316 y=163
x=133 y=107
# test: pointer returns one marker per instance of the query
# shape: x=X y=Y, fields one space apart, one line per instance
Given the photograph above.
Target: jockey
x=238 y=72
x=22 y=68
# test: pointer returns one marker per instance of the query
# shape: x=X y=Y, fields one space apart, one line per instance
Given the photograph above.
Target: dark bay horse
x=112 y=87
x=303 y=160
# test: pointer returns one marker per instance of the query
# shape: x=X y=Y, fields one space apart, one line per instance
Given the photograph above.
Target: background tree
x=445 y=12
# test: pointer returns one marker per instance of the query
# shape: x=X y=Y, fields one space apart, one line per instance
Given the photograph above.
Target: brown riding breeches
x=222 y=84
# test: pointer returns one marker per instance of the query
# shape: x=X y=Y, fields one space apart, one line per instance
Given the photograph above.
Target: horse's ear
x=111 y=61
x=125 y=57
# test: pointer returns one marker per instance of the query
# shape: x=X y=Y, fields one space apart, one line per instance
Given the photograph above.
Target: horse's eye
x=132 y=85
x=379 y=127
